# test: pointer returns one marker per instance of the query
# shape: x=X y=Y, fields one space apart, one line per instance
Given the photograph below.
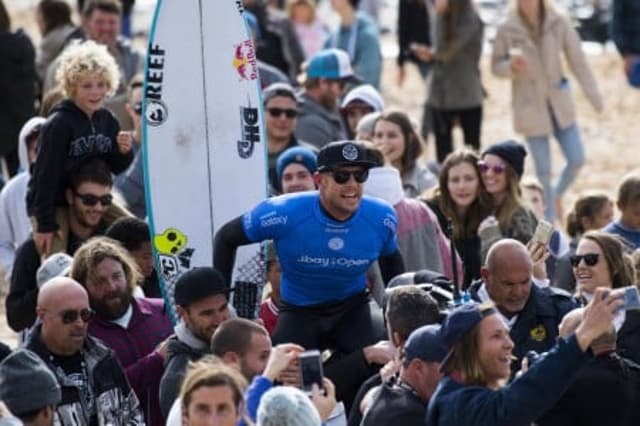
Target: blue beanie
x=510 y=151
x=297 y=154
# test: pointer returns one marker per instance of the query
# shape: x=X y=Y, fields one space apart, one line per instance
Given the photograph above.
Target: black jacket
x=536 y=328
x=629 y=337
x=395 y=405
x=414 y=25
x=605 y=392
x=115 y=401
x=69 y=138
x=17 y=82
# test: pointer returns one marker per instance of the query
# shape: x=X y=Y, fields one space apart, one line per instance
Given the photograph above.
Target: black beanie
x=510 y=151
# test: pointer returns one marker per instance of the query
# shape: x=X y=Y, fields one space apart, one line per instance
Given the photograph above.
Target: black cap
x=344 y=153
x=510 y=151
x=198 y=283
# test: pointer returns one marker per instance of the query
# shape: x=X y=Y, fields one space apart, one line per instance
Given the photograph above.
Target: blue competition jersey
x=322 y=259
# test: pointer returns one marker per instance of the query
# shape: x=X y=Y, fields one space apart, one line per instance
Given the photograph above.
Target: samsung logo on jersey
x=326 y=261
x=278 y=220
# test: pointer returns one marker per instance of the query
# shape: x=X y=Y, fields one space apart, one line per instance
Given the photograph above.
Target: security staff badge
x=538 y=333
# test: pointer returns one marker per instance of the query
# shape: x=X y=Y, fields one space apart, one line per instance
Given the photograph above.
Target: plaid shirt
x=135 y=348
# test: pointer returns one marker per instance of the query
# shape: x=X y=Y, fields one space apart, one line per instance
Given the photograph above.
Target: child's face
x=90 y=92
x=302 y=13
x=535 y=201
x=630 y=214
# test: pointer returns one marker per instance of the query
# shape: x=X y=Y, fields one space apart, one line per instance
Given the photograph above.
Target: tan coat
x=543 y=84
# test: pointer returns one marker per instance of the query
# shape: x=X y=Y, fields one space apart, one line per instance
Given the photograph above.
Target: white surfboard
x=204 y=143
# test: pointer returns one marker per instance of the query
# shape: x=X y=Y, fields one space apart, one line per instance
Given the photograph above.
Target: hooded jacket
x=15 y=227
x=182 y=348
x=17 y=78
x=69 y=138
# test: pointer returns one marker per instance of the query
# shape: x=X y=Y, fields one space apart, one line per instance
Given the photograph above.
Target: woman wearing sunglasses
x=600 y=261
x=461 y=199
x=501 y=168
x=529 y=49
x=401 y=146
x=474 y=389
x=590 y=212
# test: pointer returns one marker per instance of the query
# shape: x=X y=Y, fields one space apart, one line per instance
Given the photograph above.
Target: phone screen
x=311 y=369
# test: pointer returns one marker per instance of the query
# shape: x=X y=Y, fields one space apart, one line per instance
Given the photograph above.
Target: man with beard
x=324 y=80
x=201 y=298
x=94 y=389
x=88 y=195
x=135 y=328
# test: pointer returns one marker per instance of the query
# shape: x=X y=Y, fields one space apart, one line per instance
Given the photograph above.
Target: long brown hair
x=452 y=17
x=467 y=226
x=512 y=201
x=620 y=263
x=5 y=20
x=412 y=141
x=585 y=207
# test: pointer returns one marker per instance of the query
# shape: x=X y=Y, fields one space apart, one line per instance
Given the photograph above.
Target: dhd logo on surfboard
x=250 y=131
x=244 y=61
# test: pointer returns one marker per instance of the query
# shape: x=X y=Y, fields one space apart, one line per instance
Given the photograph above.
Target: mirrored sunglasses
x=485 y=167
x=70 y=316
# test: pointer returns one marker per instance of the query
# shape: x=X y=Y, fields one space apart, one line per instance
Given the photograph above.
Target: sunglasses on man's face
x=91 y=200
x=137 y=108
x=485 y=167
x=70 y=316
x=342 y=176
x=278 y=112
x=590 y=259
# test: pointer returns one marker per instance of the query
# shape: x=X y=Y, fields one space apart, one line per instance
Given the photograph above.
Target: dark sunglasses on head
x=343 y=176
x=485 y=167
x=137 y=108
x=277 y=112
x=91 y=200
x=70 y=316
x=590 y=259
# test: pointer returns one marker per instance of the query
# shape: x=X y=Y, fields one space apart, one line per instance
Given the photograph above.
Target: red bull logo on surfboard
x=244 y=61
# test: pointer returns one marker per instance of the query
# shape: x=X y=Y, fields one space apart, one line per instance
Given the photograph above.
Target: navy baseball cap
x=462 y=319
x=198 y=283
x=344 y=153
x=426 y=344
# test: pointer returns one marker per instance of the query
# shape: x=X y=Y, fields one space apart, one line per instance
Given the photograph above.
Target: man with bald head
x=94 y=387
x=532 y=313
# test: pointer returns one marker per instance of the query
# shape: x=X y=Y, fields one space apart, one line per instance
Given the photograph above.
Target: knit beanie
x=296 y=154
x=287 y=406
x=26 y=383
x=510 y=151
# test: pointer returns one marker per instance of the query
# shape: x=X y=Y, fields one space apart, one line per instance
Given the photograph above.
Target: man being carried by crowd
x=88 y=196
x=94 y=387
x=134 y=328
x=325 y=302
x=201 y=297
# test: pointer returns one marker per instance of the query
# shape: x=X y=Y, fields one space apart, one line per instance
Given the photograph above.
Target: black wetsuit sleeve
x=391 y=265
x=227 y=240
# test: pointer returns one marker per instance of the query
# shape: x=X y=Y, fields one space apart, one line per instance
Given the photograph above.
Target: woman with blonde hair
x=473 y=390
x=529 y=49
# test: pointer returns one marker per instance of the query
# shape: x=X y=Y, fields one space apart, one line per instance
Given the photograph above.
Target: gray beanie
x=287 y=406
x=26 y=383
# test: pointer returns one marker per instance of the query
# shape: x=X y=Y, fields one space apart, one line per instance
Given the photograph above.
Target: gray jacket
x=455 y=77
x=318 y=125
x=182 y=348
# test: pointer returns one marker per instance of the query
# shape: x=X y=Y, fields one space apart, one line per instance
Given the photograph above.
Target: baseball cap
x=426 y=344
x=332 y=64
x=296 y=154
x=198 y=283
x=26 y=383
x=462 y=320
x=279 y=89
x=366 y=94
x=56 y=265
x=343 y=153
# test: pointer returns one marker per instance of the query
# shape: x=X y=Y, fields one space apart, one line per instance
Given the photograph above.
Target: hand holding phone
x=630 y=297
x=543 y=232
x=310 y=369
